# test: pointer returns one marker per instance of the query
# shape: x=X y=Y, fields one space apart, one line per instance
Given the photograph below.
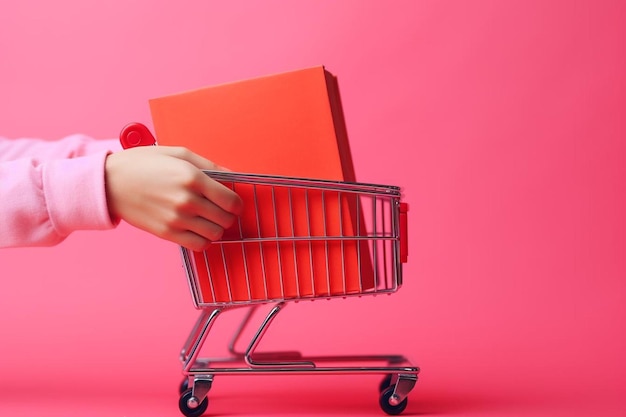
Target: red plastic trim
x=136 y=134
x=404 y=240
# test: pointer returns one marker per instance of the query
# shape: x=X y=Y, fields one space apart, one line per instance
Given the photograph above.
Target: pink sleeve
x=51 y=189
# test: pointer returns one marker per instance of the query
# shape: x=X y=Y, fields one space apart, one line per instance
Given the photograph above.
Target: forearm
x=41 y=203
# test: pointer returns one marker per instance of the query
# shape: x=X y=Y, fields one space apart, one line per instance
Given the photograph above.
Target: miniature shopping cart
x=298 y=239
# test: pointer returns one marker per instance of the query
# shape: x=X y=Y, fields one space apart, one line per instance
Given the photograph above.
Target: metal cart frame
x=385 y=234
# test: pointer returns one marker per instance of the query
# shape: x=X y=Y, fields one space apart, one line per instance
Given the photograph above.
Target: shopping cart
x=298 y=239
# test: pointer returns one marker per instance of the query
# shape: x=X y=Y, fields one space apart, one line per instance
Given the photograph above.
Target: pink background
x=504 y=123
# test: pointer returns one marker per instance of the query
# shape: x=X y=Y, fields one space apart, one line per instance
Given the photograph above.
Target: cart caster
x=190 y=406
x=389 y=403
x=184 y=385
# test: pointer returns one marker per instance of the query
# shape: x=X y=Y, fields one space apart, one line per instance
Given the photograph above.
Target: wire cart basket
x=298 y=239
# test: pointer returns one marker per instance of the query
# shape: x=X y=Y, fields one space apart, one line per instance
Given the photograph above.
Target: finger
x=193 y=158
x=198 y=225
x=220 y=195
x=191 y=240
x=210 y=211
x=205 y=228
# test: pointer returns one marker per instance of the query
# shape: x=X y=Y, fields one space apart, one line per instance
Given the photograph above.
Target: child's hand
x=162 y=190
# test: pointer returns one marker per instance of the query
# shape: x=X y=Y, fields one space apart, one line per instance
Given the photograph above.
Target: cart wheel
x=392 y=410
x=385 y=383
x=188 y=411
x=184 y=386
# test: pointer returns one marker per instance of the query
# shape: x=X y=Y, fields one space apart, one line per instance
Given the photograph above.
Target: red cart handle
x=404 y=240
x=136 y=134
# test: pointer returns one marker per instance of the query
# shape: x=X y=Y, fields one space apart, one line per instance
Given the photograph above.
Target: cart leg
x=194 y=334
x=198 y=340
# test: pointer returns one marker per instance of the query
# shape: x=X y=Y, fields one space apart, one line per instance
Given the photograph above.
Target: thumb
x=193 y=158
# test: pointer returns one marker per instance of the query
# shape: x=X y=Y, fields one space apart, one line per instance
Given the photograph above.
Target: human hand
x=162 y=190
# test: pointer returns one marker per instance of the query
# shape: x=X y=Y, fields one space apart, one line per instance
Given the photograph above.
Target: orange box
x=287 y=124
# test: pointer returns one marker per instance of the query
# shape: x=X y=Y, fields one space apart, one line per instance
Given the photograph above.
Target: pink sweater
x=48 y=189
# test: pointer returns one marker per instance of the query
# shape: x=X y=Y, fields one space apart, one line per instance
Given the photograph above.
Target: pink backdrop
x=504 y=123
